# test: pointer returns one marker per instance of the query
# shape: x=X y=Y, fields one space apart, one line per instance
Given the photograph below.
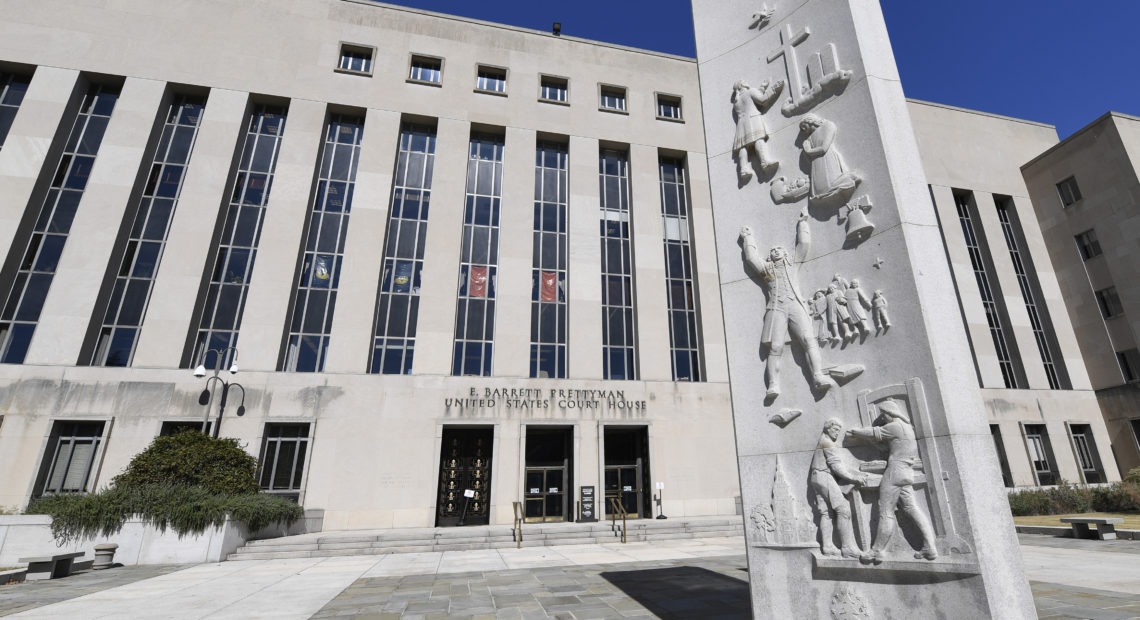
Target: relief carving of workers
x=831 y=479
x=896 y=490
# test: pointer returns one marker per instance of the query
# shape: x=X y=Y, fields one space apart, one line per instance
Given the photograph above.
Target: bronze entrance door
x=549 y=480
x=627 y=469
x=623 y=482
x=546 y=494
x=464 y=477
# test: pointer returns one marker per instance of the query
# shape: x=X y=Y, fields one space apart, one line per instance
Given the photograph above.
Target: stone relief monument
x=871 y=487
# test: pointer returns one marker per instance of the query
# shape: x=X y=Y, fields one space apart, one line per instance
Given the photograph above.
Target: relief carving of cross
x=789 y=39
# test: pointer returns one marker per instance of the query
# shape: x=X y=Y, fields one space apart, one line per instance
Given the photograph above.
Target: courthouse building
x=456 y=264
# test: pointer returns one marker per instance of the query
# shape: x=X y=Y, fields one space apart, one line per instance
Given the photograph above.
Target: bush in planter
x=1133 y=476
x=193 y=459
x=215 y=478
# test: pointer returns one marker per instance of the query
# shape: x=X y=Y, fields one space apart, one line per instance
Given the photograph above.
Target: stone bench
x=50 y=566
x=1105 y=527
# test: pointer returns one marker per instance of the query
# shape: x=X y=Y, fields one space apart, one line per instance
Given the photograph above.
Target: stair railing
x=518 y=506
x=617 y=509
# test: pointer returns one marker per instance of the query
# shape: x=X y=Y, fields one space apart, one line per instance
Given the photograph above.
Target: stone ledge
x=1067 y=532
x=841 y=568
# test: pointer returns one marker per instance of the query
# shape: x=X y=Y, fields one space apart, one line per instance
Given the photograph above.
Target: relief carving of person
x=829 y=175
x=748 y=104
x=857 y=306
x=896 y=490
x=819 y=315
x=879 y=311
x=784 y=313
x=838 y=318
x=831 y=480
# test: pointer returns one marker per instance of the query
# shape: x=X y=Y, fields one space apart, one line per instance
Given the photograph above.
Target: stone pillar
x=109 y=194
x=29 y=140
x=351 y=340
x=516 y=256
x=189 y=244
x=274 y=272
x=584 y=281
x=435 y=335
x=832 y=191
x=654 y=358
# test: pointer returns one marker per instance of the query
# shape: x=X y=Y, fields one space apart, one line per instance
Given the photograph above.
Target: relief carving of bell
x=859 y=228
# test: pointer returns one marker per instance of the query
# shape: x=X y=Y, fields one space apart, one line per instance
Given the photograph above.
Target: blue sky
x=1061 y=62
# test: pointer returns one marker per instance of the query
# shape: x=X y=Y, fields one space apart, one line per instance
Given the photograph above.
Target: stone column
x=875 y=429
x=30 y=138
x=189 y=244
x=654 y=357
x=350 y=343
x=584 y=281
x=435 y=335
x=516 y=250
x=274 y=273
x=109 y=194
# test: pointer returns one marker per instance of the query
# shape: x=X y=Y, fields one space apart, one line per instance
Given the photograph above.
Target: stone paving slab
x=19 y=597
x=1070 y=579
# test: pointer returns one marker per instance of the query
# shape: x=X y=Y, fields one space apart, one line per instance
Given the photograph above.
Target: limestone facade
x=1091 y=239
x=374 y=444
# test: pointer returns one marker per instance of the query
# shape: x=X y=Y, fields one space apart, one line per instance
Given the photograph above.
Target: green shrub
x=1070 y=499
x=1133 y=476
x=184 y=509
x=193 y=459
x=186 y=482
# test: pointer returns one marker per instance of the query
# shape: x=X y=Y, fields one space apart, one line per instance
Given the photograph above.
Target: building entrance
x=464 y=477
x=549 y=477
x=627 y=469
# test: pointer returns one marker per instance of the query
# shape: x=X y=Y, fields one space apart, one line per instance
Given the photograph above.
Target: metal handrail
x=617 y=508
x=518 y=524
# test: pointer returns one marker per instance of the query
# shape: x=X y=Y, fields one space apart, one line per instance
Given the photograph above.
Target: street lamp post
x=204 y=398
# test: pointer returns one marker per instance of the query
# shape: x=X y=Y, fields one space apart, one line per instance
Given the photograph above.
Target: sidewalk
x=703 y=578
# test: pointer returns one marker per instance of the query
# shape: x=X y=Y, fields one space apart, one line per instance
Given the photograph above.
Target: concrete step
x=418 y=540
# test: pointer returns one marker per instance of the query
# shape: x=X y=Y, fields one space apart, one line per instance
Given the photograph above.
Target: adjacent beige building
x=456 y=265
x=1087 y=192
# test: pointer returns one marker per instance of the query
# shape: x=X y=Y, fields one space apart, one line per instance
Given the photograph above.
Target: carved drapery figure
x=857 y=306
x=831 y=480
x=896 y=489
x=784 y=313
x=879 y=311
x=838 y=318
x=819 y=315
x=829 y=175
x=748 y=104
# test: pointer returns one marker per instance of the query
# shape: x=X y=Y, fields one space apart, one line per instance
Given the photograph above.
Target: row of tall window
x=360 y=59
x=981 y=260
x=125 y=296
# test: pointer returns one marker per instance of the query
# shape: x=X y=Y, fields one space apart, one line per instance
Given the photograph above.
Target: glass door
x=546 y=494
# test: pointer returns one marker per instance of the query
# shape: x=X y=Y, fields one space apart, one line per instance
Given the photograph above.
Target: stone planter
x=15 y=575
x=104 y=556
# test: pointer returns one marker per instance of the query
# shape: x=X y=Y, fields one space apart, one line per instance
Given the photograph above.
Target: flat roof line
x=519 y=29
x=980 y=113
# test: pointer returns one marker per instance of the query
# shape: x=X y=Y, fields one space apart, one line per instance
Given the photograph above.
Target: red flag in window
x=549 y=286
x=477 y=282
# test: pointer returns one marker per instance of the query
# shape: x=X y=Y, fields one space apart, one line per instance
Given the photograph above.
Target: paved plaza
x=703 y=578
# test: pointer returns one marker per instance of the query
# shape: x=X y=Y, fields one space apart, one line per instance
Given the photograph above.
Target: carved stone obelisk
x=875 y=424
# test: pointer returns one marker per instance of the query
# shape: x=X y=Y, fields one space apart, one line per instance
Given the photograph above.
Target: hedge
x=1069 y=499
x=186 y=482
